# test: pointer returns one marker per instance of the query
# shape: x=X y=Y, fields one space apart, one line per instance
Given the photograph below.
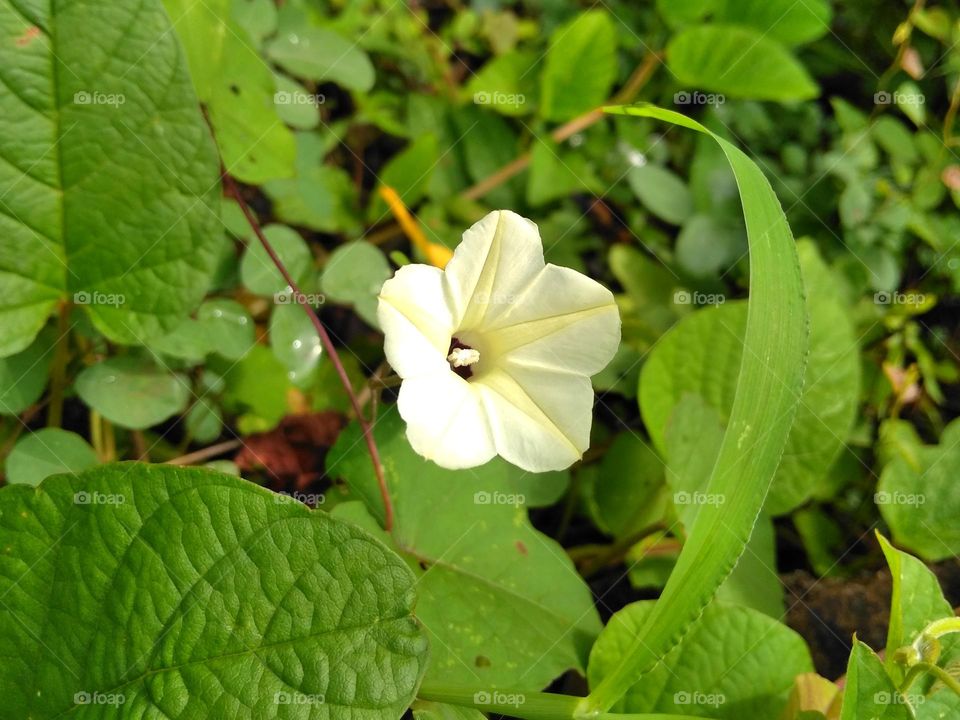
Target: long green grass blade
x=768 y=390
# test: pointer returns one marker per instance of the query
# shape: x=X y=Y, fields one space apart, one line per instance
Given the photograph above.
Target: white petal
x=565 y=321
x=446 y=421
x=416 y=321
x=540 y=419
x=497 y=258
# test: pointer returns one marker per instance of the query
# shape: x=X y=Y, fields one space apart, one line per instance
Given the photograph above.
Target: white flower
x=496 y=350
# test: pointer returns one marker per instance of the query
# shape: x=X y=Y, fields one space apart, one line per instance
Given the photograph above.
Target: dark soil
x=828 y=611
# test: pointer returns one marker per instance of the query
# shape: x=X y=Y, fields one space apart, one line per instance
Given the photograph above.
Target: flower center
x=461 y=357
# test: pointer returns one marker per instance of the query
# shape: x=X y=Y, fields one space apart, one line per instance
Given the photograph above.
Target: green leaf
x=737 y=61
x=204 y=421
x=661 y=192
x=323 y=56
x=295 y=343
x=228 y=327
x=320 y=197
x=353 y=275
x=869 y=692
x=916 y=601
x=694 y=436
x=296 y=106
x=918 y=495
x=501 y=602
x=110 y=193
x=625 y=496
x=792 y=23
x=181 y=592
x=703 y=352
x=735 y=663
x=257 y=385
x=238 y=89
x=682 y=12
x=507 y=83
x=770 y=379
x=424 y=710
x=23 y=376
x=131 y=392
x=47 y=452
x=707 y=245
x=408 y=173
x=259 y=273
x=581 y=66
x=556 y=174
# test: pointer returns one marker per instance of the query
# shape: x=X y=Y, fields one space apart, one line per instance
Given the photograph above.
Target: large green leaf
x=702 y=356
x=502 y=603
x=771 y=373
x=581 y=66
x=738 y=61
x=918 y=494
x=238 y=89
x=152 y=591
x=108 y=175
x=736 y=663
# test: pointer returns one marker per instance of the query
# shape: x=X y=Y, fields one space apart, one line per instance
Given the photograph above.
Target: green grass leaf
x=762 y=414
x=187 y=593
x=110 y=179
x=702 y=356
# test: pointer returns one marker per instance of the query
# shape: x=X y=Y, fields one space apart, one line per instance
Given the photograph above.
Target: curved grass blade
x=768 y=392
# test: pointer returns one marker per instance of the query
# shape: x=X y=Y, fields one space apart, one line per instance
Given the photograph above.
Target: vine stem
x=528 y=705
x=231 y=188
x=58 y=371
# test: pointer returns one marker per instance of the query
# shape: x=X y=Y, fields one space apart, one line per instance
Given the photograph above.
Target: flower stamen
x=461 y=357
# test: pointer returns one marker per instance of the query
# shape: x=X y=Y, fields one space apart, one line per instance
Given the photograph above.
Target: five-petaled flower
x=496 y=350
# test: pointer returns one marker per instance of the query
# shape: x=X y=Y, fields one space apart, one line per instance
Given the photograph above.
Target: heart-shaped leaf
x=109 y=173
x=154 y=591
x=502 y=603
